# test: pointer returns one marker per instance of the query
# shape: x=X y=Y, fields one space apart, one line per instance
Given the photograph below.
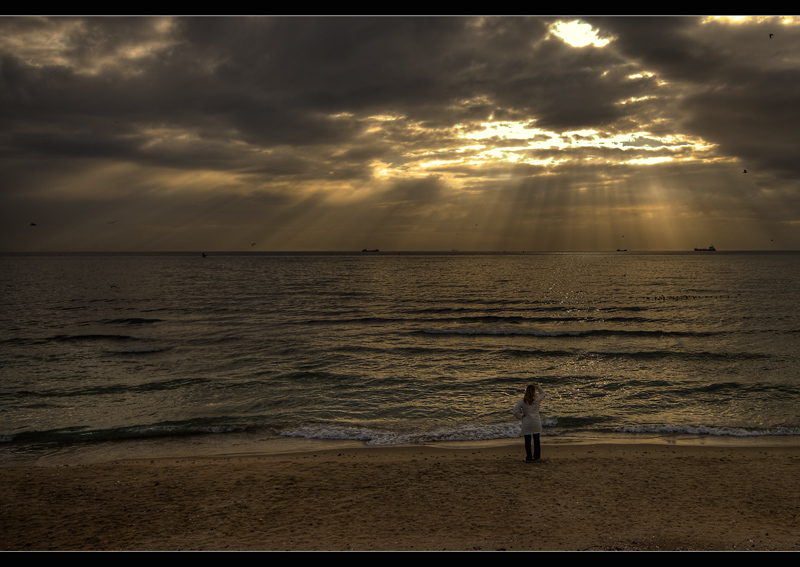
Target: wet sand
x=578 y=497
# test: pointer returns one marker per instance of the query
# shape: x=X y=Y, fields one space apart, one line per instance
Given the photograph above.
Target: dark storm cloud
x=277 y=81
x=290 y=123
x=757 y=123
x=740 y=88
x=328 y=65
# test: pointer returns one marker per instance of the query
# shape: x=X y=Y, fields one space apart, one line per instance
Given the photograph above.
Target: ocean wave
x=652 y=355
x=89 y=337
x=373 y=437
x=24 y=341
x=89 y=392
x=570 y=333
x=551 y=427
x=388 y=438
x=130 y=321
x=489 y=432
x=138 y=351
x=661 y=354
x=709 y=430
x=337 y=320
x=71 y=435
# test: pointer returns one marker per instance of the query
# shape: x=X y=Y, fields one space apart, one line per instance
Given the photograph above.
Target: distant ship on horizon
x=365 y=250
x=709 y=249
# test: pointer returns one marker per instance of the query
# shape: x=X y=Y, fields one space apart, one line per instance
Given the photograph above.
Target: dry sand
x=579 y=497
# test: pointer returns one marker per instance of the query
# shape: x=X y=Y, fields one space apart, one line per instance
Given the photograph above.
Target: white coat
x=529 y=414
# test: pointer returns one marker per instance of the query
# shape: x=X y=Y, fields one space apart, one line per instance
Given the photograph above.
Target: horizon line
x=384 y=252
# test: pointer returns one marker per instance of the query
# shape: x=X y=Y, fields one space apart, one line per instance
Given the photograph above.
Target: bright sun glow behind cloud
x=536 y=138
x=522 y=143
x=578 y=34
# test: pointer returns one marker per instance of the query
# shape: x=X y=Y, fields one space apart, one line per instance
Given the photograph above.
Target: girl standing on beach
x=527 y=409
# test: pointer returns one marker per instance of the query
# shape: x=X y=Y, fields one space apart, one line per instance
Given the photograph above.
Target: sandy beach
x=577 y=498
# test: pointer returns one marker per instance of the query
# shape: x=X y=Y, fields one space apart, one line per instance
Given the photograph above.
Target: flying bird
x=33 y=224
x=745 y=171
x=770 y=36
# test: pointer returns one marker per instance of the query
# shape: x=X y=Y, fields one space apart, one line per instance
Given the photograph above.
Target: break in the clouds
x=339 y=133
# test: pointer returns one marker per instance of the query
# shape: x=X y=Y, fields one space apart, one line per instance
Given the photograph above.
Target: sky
x=399 y=133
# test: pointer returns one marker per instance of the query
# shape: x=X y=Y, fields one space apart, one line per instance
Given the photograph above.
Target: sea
x=130 y=355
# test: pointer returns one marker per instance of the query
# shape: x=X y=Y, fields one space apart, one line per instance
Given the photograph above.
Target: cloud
x=325 y=132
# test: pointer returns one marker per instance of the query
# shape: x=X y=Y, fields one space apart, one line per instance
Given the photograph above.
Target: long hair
x=530 y=395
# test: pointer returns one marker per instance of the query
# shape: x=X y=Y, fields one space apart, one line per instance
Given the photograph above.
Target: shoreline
x=249 y=444
x=581 y=496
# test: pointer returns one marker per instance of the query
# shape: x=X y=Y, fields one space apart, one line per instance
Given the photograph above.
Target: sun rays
x=409 y=133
